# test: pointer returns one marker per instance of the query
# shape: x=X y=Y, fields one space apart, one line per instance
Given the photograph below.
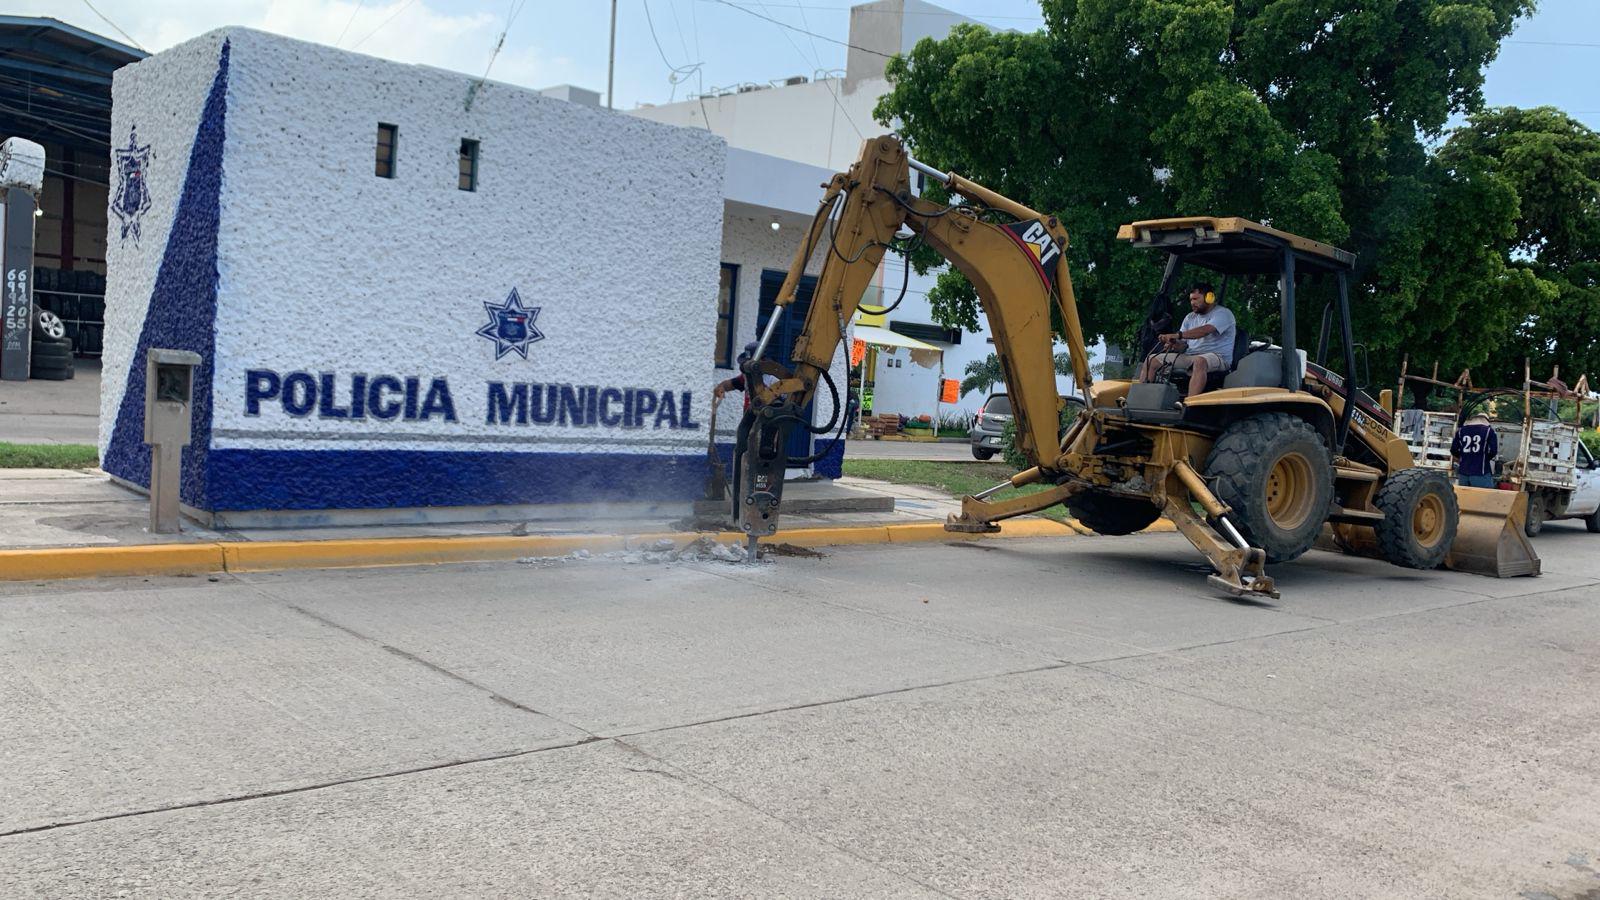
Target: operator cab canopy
x=1235 y=246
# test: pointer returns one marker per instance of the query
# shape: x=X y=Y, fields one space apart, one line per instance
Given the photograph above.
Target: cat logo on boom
x=1033 y=237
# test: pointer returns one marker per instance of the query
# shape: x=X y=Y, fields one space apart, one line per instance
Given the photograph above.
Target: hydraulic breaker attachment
x=1241 y=570
x=1490 y=539
x=761 y=460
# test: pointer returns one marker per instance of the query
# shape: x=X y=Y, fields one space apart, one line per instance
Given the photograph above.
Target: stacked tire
x=51 y=359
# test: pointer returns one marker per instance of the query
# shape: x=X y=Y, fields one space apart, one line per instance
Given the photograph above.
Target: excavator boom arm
x=1014 y=257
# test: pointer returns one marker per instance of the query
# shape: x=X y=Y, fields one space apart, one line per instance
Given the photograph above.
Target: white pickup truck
x=1585 y=500
x=1555 y=469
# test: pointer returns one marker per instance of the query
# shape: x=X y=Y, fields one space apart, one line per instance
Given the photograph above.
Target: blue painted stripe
x=377 y=479
x=183 y=306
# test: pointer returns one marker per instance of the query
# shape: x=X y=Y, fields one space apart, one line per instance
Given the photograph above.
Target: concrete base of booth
x=819 y=497
x=426 y=515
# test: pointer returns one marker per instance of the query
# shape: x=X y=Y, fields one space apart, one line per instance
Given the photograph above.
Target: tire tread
x=1232 y=467
x=1394 y=500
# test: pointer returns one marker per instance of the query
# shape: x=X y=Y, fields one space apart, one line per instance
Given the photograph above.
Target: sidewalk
x=64 y=524
x=53 y=412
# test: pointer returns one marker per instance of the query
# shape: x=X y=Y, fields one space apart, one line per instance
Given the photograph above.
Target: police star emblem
x=511 y=326
x=131 y=199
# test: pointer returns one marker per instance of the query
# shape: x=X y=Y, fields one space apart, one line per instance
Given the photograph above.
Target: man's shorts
x=1478 y=481
x=1185 y=361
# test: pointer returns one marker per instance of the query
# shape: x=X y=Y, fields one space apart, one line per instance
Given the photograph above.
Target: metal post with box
x=168 y=413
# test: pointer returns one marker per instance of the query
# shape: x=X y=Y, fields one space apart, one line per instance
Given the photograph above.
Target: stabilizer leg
x=1241 y=571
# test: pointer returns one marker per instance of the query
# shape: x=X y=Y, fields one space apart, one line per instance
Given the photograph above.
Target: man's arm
x=1455 y=444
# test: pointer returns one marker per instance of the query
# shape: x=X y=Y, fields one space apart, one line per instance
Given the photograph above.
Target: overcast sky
x=1553 y=58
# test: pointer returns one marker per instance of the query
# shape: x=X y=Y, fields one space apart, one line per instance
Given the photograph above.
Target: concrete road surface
x=943 y=451
x=53 y=412
x=1076 y=717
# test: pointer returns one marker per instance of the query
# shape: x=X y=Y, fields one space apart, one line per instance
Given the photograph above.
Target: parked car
x=988 y=426
x=1584 y=502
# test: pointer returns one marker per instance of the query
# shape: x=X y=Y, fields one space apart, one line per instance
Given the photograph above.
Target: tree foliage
x=1552 y=163
x=1315 y=116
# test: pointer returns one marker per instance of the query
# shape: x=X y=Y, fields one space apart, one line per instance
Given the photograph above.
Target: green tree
x=1310 y=115
x=1552 y=163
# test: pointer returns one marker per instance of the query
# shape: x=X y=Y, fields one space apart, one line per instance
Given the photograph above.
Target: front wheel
x=1420 y=515
x=1592 y=521
x=1276 y=474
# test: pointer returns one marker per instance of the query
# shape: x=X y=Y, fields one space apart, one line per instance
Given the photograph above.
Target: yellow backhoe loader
x=1251 y=471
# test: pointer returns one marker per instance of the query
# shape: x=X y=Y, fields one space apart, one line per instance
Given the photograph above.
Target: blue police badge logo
x=132 y=197
x=511 y=326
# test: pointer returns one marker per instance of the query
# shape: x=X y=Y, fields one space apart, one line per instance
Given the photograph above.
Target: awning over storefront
x=883 y=337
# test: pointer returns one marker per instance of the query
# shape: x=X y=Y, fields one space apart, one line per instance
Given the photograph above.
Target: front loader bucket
x=1490 y=539
x=1489 y=536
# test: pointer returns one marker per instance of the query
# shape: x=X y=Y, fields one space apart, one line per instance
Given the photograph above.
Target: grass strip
x=48 y=456
x=958 y=479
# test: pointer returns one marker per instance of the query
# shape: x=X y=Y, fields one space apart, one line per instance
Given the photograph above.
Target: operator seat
x=1179 y=375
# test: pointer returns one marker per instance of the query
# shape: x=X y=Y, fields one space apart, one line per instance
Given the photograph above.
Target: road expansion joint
x=299 y=789
x=411 y=657
x=661 y=766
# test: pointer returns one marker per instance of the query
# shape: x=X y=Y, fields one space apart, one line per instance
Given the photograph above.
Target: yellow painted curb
x=95 y=562
x=263 y=556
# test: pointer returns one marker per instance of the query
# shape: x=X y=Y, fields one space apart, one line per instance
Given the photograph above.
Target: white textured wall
x=609 y=224
x=163 y=97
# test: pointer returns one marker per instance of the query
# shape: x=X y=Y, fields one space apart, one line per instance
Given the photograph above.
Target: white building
x=421 y=294
x=822 y=122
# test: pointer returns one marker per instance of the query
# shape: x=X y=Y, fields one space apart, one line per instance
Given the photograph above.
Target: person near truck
x=1204 y=343
x=1474 y=450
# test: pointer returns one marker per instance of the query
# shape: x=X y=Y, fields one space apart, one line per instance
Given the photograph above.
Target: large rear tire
x=1276 y=474
x=1105 y=514
x=981 y=453
x=1420 y=515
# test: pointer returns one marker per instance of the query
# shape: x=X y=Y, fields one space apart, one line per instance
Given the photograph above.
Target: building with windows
x=55 y=89
x=420 y=296
x=821 y=120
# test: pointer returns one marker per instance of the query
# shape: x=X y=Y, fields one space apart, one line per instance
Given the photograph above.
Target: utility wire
x=683 y=40
x=403 y=7
x=1551 y=43
x=676 y=74
x=783 y=24
x=60 y=174
x=348 y=22
x=511 y=17
x=836 y=101
x=55 y=124
x=113 y=25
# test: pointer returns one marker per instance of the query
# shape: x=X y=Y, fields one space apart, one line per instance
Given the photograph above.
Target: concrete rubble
x=701 y=549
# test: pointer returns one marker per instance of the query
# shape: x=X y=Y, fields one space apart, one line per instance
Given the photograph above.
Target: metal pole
x=1286 y=301
x=611 y=64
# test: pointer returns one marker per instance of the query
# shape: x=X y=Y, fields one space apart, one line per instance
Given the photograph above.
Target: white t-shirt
x=1220 y=343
